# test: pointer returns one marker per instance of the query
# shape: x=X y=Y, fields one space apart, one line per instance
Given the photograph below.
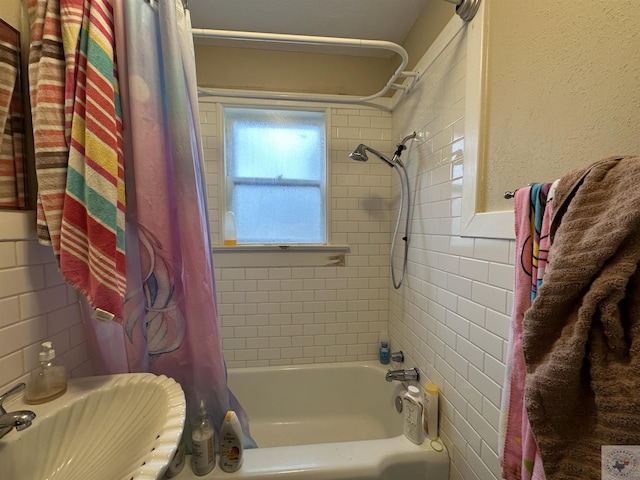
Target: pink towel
x=519 y=455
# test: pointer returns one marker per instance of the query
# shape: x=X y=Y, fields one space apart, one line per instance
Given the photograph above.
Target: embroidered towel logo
x=620 y=461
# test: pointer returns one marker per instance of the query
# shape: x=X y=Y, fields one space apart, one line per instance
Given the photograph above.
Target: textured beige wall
x=429 y=24
x=11 y=12
x=563 y=89
x=269 y=70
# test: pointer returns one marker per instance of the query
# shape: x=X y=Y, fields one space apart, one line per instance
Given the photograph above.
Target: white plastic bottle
x=231 y=446
x=430 y=415
x=412 y=408
x=202 y=456
x=230 y=229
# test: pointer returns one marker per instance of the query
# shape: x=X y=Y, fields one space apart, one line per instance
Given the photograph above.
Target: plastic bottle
x=49 y=380
x=202 y=456
x=430 y=413
x=231 y=446
x=230 y=229
x=384 y=349
x=177 y=462
x=412 y=408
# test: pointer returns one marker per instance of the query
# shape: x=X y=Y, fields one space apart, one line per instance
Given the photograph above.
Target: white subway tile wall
x=36 y=305
x=451 y=318
x=292 y=315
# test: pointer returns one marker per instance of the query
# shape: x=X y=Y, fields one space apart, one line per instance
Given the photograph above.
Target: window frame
x=324 y=193
x=273 y=255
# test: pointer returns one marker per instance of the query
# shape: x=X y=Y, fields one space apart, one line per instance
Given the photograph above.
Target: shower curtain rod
x=310 y=40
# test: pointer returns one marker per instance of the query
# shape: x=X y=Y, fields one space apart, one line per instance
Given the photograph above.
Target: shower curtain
x=170 y=318
x=168 y=323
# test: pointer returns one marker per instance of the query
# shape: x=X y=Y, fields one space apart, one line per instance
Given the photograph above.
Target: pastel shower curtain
x=168 y=323
x=170 y=318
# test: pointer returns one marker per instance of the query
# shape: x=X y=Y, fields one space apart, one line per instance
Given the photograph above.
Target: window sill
x=247 y=256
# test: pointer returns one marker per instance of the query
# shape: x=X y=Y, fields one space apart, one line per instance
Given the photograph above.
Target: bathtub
x=327 y=422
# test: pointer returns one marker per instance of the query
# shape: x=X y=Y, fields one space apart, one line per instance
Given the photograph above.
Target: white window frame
x=274 y=255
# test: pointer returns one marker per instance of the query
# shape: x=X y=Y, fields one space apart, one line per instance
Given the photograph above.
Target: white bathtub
x=327 y=422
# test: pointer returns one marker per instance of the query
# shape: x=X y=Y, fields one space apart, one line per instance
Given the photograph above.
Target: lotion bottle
x=430 y=414
x=202 y=436
x=231 y=446
x=412 y=408
x=49 y=380
x=230 y=238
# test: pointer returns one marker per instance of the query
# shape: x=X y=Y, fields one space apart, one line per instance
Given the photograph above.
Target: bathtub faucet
x=403 y=375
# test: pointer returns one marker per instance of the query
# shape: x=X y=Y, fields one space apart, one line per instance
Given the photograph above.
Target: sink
x=113 y=427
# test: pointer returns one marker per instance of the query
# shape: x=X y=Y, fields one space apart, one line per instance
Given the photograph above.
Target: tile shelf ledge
x=247 y=256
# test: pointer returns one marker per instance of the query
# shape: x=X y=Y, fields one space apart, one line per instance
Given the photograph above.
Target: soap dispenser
x=49 y=380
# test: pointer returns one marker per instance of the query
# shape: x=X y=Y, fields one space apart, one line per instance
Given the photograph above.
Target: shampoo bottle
x=430 y=414
x=412 y=408
x=202 y=456
x=231 y=446
x=49 y=380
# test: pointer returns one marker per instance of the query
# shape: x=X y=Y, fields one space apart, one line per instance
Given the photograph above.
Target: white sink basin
x=115 y=427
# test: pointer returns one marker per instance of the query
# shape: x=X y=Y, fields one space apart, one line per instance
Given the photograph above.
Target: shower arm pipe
x=311 y=40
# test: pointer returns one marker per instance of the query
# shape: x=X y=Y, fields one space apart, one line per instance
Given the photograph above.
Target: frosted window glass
x=275 y=164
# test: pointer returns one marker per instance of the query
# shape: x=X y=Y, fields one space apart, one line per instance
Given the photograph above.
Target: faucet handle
x=11 y=391
x=398 y=356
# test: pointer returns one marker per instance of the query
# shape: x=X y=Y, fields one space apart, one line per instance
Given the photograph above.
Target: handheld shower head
x=360 y=155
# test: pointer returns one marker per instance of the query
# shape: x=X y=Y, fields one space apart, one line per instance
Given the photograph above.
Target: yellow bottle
x=430 y=413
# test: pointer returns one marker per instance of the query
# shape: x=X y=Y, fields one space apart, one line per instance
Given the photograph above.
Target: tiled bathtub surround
x=452 y=316
x=289 y=315
x=36 y=305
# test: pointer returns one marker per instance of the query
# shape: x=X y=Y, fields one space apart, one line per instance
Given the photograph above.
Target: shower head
x=360 y=155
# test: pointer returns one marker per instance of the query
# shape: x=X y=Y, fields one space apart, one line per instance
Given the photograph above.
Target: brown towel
x=581 y=336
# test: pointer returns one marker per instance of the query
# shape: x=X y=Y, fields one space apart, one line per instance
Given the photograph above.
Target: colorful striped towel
x=92 y=235
x=46 y=88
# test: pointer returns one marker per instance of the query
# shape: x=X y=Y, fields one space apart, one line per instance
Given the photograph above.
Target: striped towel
x=46 y=88
x=12 y=186
x=92 y=235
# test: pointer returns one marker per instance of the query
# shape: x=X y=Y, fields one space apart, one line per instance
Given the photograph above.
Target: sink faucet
x=403 y=375
x=19 y=419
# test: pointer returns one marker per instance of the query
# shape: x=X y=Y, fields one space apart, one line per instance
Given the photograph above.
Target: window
x=275 y=167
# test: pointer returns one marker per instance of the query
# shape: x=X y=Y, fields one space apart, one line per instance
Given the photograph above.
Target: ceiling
x=365 y=19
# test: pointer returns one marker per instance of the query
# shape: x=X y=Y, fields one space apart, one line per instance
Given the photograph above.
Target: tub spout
x=403 y=375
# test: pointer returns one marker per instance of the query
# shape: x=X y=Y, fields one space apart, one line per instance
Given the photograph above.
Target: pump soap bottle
x=49 y=380
x=231 y=446
x=203 y=457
